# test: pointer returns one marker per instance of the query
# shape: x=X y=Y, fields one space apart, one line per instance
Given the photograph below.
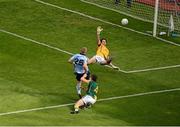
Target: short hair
x=83 y=50
x=103 y=39
x=94 y=77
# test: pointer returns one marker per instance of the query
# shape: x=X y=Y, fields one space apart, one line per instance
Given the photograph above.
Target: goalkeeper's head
x=103 y=41
x=83 y=51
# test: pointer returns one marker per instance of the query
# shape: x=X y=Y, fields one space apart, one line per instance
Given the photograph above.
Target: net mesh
x=144 y=10
x=169 y=17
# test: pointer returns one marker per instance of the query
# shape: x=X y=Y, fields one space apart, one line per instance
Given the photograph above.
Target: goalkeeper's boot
x=109 y=60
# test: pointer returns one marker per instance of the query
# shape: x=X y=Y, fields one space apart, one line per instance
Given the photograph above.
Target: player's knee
x=88 y=105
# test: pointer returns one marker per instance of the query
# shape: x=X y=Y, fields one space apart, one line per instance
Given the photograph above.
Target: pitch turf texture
x=34 y=76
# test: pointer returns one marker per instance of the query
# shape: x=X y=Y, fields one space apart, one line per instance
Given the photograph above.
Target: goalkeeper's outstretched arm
x=99 y=29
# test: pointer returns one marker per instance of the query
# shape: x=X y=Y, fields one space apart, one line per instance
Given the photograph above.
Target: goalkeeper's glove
x=99 y=29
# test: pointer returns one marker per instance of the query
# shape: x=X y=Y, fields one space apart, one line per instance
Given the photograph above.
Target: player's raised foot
x=74 y=112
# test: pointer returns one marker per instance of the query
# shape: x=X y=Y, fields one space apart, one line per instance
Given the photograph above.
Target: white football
x=124 y=21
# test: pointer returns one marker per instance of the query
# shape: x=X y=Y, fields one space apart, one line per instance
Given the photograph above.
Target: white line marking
x=91 y=17
x=55 y=48
x=153 y=69
x=140 y=94
x=107 y=22
x=35 y=109
x=120 y=12
x=60 y=50
x=105 y=99
x=170 y=42
x=43 y=44
x=116 y=70
x=39 y=43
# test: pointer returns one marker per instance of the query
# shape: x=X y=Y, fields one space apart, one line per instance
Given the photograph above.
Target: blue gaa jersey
x=78 y=61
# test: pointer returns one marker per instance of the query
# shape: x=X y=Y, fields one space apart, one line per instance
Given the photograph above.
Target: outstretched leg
x=92 y=60
x=78 y=104
x=78 y=89
x=114 y=67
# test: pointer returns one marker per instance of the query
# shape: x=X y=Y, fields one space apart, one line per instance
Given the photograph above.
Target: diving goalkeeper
x=102 y=53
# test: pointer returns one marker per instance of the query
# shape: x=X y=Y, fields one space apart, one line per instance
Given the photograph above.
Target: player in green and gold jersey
x=91 y=94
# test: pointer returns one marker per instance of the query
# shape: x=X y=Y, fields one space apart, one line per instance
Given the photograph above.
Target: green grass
x=33 y=76
x=145 y=12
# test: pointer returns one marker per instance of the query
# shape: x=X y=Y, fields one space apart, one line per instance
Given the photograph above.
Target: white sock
x=78 y=88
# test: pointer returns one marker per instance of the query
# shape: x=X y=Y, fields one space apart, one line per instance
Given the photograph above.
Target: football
x=124 y=21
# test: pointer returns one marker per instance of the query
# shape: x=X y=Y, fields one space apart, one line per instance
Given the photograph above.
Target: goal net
x=168 y=21
x=168 y=14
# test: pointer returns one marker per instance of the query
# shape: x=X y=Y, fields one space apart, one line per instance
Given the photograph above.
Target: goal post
x=155 y=18
x=168 y=21
x=163 y=14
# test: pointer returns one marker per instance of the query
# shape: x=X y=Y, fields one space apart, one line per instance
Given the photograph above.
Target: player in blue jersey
x=80 y=67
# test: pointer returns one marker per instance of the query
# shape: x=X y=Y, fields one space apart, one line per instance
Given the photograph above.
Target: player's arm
x=85 y=66
x=70 y=60
x=99 y=29
x=84 y=88
x=83 y=78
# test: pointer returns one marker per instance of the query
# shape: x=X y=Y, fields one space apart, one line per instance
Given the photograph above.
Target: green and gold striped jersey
x=92 y=89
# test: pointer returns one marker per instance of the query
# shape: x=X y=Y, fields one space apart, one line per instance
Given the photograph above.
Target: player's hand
x=84 y=88
x=99 y=29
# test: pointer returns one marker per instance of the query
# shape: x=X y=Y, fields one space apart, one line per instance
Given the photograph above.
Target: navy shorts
x=78 y=76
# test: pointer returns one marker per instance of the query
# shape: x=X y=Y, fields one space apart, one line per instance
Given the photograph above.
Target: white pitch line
x=105 y=99
x=69 y=53
x=153 y=69
x=35 y=109
x=91 y=17
x=120 y=12
x=117 y=70
x=37 y=42
x=107 y=22
x=140 y=94
x=97 y=19
x=43 y=44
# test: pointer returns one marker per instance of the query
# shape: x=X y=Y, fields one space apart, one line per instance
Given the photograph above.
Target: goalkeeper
x=102 y=52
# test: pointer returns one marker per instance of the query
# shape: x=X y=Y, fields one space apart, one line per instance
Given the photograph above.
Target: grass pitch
x=33 y=76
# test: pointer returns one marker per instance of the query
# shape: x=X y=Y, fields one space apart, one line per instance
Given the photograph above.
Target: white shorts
x=88 y=99
x=99 y=59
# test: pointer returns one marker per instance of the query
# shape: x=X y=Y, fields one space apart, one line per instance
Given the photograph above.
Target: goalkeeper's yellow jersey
x=102 y=51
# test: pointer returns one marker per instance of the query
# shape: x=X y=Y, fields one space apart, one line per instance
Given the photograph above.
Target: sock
x=76 y=108
x=78 y=88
